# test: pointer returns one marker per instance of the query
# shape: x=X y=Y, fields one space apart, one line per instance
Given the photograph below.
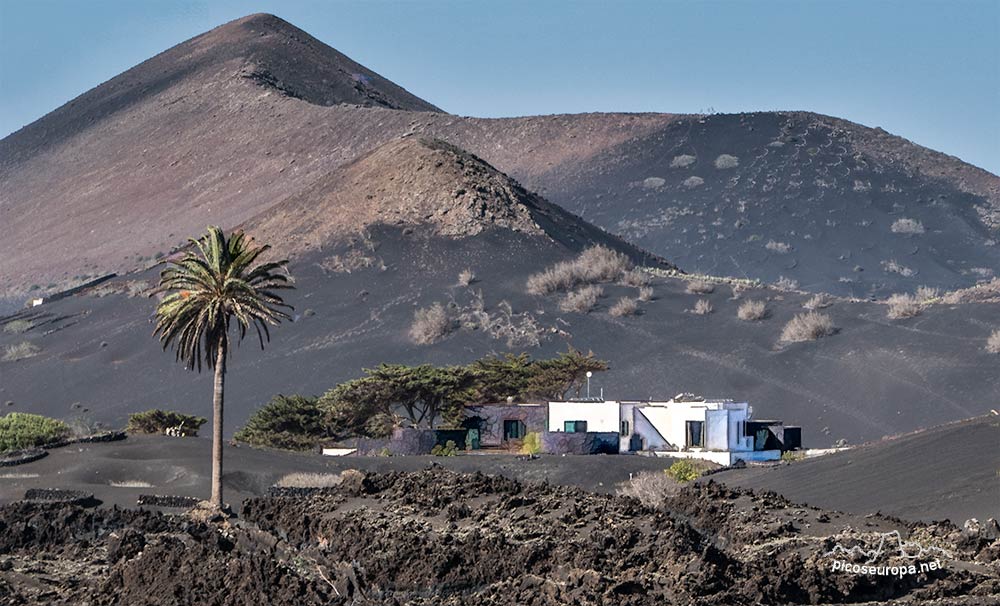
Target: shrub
x=903 y=306
x=20 y=430
x=646 y=293
x=582 y=300
x=807 y=327
x=636 y=278
x=727 y=161
x=926 y=294
x=648 y=487
x=18 y=326
x=532 y=443
x=286 y=422
x=626 y=306
x=817 y=302
x=430 y=325
x=682 y=161
x=702 y=307
x=752 y=311
x=700 y=287
x=778 y=247
x=907 y=226
x=784 y=283
x=20 y=351
x=450 y=449
x=310 y=480
x=993 y=342
x=157 y=421
x=894 y=267
x=466 y=277
x=593 y=265
x=683 y=471
x=790 y=456
x=693 y=182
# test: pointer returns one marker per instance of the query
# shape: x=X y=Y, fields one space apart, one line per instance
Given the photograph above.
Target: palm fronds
x=210 y=287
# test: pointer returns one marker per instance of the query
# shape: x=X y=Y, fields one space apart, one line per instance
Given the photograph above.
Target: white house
x=682 y=427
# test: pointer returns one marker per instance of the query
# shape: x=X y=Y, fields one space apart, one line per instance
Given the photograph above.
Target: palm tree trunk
x=220 y=385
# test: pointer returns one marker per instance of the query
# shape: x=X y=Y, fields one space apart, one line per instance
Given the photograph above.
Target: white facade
x=598 y=415
x=684 y=428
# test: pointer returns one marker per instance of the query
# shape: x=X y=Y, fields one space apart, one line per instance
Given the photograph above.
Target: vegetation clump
x=700 y=287
x=582 y=300
x=626 y=306
x=808 y=326
x=19 y=430
x=752 y=311
x=903 y=305
x=646 y=293
x=431 y=324
x=702 y=307
x=287 y=422
x=593 y=265
x=683 y=471
x=450 y=449
x=817 y=302
x=907 y=226
x=993 y=342
x=17 y=327
x=466 y=277
x=532 y=443
x=21 y=351
x=157 y=421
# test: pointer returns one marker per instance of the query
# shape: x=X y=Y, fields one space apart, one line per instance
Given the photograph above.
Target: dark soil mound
x=437 y=537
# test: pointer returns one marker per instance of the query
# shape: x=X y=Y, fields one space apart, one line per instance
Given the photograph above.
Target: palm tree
x=213 y=284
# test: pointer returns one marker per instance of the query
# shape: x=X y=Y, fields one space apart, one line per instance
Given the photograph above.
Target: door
x=695 y=434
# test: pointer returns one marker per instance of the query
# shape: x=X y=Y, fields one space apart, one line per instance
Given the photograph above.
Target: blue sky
x=925 y=70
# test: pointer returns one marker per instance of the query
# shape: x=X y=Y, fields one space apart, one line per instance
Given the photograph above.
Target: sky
x=925 y=70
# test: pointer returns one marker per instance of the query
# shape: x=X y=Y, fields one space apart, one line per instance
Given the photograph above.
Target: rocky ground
x=439 y=537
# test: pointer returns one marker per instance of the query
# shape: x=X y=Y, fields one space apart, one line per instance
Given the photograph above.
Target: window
x=513 y=430
x=575 y=426
x=625 y=430
x=695 y=434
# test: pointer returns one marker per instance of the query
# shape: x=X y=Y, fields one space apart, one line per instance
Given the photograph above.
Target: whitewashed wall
x=600 y=416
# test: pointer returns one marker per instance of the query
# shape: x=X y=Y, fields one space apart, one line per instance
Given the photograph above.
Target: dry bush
x=582 y=300
x=727 y=161
x=20 y=351
x=700 y=287
x=752 y=311
x=693 y=182
x=894 y=267
x=430 y=325
x=903 y=306
x=738 y=290
x=927 y=293
x=646 y=293
x=993 y=342
x=636 y=278
x=626 y=306
x=131 y=484
x=466 y=277
x=17 y=327
x=682 y=161
x=817 y=302
x=907 y=226
x=784 y=283
x=778 y=247
x=310 y=480
x=808 y=327
x=702 y=307
x=649 y=487
x=595 y=264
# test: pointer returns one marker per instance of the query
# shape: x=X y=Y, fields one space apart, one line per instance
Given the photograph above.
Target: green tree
x=214 y=285
x=498 y=378
x=552 y=379
x=288 y=422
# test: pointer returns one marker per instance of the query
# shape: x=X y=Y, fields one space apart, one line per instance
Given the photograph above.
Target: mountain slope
x=226 y=125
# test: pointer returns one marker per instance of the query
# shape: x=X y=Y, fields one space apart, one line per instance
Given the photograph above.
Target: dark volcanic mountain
x=224 y=126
